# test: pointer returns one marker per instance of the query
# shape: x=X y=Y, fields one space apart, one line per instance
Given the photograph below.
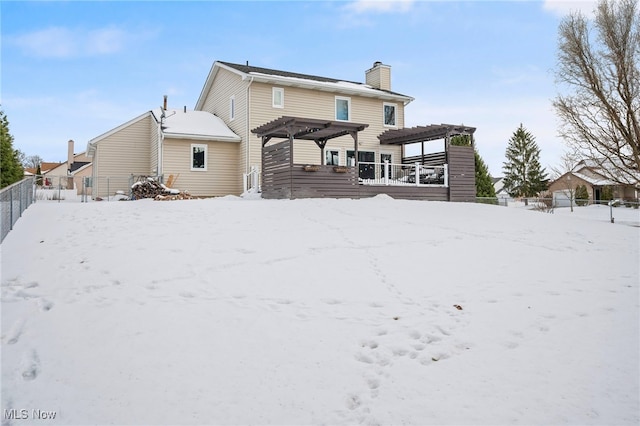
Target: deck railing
x=372 y=173
x=250 y=181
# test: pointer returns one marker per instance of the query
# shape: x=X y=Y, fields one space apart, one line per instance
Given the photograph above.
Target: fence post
x=417 y=174
x=11 y=208
x=20 y=200
x=108 y=190
x=611 y=211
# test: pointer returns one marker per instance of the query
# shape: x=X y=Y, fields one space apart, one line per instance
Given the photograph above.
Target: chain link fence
x=14 y=200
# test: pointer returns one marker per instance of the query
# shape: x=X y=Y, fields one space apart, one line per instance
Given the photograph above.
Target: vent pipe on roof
x=165 y=103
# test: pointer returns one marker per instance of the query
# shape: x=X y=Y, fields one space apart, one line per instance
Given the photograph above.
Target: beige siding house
x=209 y=151
x=246 y=97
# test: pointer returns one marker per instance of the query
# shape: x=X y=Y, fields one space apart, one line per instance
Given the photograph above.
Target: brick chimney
x=70 y=154
x=379 y=76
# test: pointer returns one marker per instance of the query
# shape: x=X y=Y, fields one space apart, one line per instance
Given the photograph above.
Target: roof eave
x=327 y=87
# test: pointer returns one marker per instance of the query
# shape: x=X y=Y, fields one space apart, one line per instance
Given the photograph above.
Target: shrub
x=582 y=195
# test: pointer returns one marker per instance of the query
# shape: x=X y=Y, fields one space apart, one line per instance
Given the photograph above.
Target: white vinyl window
x=332 y=157
x=199 y=157
x=278 y=97
x=232 y=107
x=343 y=108
x=389 y=114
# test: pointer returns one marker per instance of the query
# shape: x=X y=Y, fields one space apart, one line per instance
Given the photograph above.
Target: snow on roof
x=594 y=180
x=194 y=125
x=363 y=89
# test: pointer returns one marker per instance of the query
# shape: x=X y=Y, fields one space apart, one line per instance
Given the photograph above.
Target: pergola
x=421 y=134
x=317 y=130
x=424 y=134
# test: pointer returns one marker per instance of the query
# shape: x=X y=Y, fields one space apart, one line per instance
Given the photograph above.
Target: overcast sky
x=74 y=70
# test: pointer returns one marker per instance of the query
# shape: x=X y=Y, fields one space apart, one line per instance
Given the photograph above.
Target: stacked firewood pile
x=148 y=187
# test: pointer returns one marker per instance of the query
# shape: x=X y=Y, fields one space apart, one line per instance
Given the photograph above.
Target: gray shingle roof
x=247 y=69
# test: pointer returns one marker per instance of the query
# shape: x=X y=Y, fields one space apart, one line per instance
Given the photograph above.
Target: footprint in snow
x=45 y=305
x=16 y=331
x=30 y=366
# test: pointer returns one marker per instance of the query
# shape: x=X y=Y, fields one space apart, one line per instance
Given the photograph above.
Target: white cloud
x=105 y=41
x=60 y=42
x=380 y=6
x=54 y=42
x=564 y=7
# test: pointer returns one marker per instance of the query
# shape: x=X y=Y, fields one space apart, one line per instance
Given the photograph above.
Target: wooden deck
x=282 y=179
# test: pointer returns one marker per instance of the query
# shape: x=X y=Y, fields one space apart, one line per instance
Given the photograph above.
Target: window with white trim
x=332 y=157
x=343 y=108
x=278 y=97
x=232 y=107
x=199 y=157
x=389 y=114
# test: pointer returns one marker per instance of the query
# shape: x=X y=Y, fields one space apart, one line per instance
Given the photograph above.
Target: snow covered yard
x=232 y=311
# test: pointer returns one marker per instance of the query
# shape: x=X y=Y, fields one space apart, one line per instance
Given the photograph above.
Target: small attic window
x=343 y=108
x=278 y=97
x=389 y=113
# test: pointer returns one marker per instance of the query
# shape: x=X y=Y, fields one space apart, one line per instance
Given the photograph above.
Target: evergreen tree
x=39 y=175
x=582 y=195
x=524 y=177
x=484 y=184
x=606 y=194
x=10 y=167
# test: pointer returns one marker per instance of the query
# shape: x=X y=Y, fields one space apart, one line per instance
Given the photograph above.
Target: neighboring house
x=498 y=186
x=45 y=168
x=68 y=174
x=234 y=100
x=589 y=174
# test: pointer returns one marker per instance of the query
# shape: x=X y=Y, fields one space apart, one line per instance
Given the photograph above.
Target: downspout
x=248 y=113
x=160 y=138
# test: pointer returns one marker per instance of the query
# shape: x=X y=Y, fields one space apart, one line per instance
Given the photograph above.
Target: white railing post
x=417 y=174
x=446 y=175
x=254 y=178
x=386 y=172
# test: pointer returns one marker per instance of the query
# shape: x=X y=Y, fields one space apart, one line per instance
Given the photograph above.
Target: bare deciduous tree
x=32 y=161
x=567 y=163
x=601 y=113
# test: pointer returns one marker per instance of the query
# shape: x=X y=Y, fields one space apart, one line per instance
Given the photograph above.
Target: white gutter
x=202 y=137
